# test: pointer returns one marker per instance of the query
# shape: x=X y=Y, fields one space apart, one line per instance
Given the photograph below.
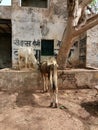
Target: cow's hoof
x=51 y=104
x=56 y=105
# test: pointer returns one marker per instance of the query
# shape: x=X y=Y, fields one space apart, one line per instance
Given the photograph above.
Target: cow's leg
x=45 y=89
x=56 y=97
x=30 y=65
x=51 y=90
x=52 y=99
x=26 y=61
x=47 y=84
x=55 y=91
x=44 y=80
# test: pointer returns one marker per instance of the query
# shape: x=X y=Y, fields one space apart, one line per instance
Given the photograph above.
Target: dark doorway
x=35 y=3
x=47 y=47
x=5 y=44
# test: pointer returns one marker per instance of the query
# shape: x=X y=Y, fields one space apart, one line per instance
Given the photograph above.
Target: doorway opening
x=5 y=44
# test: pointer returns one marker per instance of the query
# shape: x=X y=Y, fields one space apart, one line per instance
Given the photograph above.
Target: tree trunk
x=67 y=42
x=75 y=12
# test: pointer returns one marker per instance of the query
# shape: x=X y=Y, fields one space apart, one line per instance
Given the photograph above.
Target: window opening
x=35 y=3
x=47 y=47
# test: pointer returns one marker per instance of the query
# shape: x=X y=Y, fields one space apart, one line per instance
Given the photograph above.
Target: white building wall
x=92 y=48
x=33 y=24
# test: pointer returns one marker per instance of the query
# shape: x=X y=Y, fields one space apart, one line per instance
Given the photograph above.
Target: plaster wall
x=92 y=48
x=5 y=12
x=30 y=24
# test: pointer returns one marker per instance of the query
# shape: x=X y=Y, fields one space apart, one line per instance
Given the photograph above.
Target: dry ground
x=78 y=110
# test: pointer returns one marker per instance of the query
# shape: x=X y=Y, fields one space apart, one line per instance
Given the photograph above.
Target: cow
x=26 y=57
x=48 y=70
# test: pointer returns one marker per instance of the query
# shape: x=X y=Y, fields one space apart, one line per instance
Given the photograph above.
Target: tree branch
x=84 y=3
x=91 y=22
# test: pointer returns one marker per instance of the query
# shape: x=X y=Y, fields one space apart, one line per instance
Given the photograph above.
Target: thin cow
x=48 y=70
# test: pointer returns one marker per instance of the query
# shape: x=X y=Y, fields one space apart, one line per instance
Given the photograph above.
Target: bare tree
x=77 y=23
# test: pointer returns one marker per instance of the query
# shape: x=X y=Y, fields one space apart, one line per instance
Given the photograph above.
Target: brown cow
x=48 y=70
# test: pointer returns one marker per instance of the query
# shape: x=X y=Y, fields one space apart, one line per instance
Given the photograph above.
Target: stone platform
x=15 y=80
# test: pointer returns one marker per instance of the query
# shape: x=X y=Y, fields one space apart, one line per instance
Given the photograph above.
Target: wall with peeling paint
x=31 y=24
x=92 y=48
x=5 y=12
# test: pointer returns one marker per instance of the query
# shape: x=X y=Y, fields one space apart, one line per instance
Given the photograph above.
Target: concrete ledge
x=12 y=80
x=77 y=78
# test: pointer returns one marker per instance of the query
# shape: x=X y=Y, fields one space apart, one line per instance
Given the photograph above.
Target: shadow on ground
x=91 y=107
x=26 y=98
x=29 y=98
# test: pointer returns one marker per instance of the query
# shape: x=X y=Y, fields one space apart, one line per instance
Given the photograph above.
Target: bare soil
x=27 y=110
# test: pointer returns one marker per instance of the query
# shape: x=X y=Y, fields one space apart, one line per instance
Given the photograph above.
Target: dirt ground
x=78 y=110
